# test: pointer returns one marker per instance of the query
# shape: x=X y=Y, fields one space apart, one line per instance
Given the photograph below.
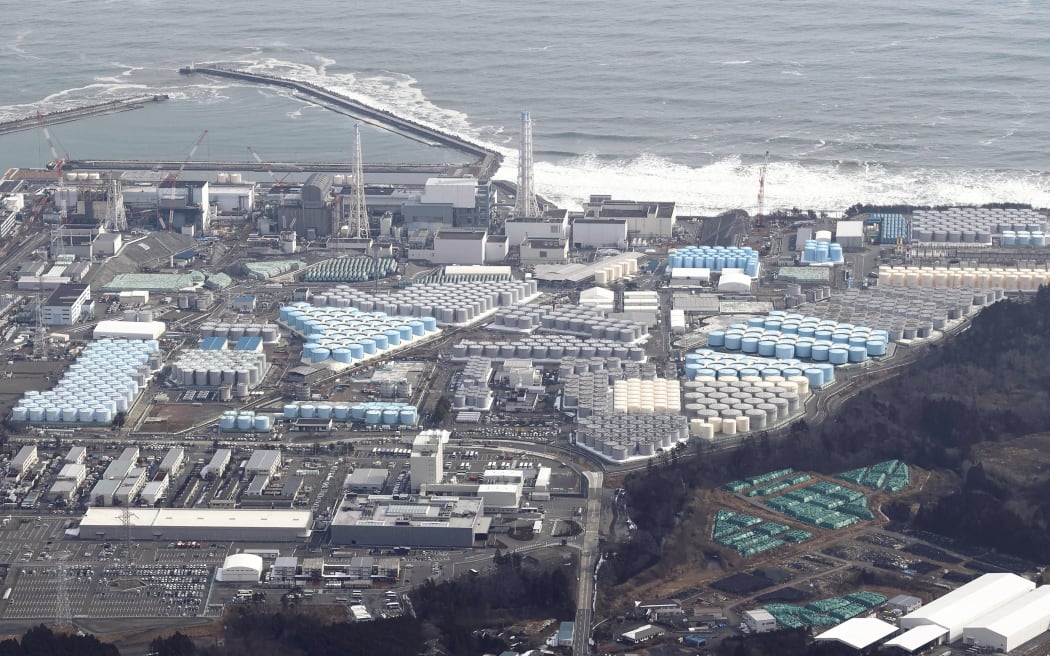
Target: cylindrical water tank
x=245 y=421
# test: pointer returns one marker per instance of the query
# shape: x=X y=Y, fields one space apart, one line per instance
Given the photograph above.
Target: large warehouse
x=959 y=608
x=442 y=522
x=1012 y=625
x=198 y=524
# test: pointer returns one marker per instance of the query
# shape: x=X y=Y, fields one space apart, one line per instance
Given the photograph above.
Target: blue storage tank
x=1009 y=238
x=691 y=370
x=819 y=352
x=770 y=371
x=381 y=342
x=734 y=342
x=262 y=424
x=308 y=411
x=838 y=356
x=785 y=350
x=707 y=372
x=789 y=328
x=791 y=371
x=857 y=340
x=407 y=416
x=340 y=412
x=356 y=351
x=876 y=347
x=405 y=332
x=835 y=252
x=245 y=420
x=815 y=377
x=1038 y=239
x=390 y=416
x=393 y=337
x=430 y=324
x=756 y=322
x=373 y=416
x=747 y=344
x=291 y=411
x=803 y=349
x=840 y=338
x=675 y=262
x=749 y=371
x=417 y=327
x=227 y=422
x=829 y=372
x=773 y=324
x=369 y=345
x=858 y=353
x=319 y=354
x=357 y=412
x=767 y=347
x=727 y=372
x=716 y=338
x=324 y=411
x=341 y=355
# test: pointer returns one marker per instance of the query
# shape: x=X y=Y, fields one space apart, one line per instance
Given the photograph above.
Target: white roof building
x=130 y=329
x=241 y=567
x=959 y=608
x=859 y=632
x=598 y=297
x=1013 y=624
x=917 y=638
x=211 y=524
x=734 y=281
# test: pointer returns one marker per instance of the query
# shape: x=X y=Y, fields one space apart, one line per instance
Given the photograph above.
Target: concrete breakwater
x=488 y=161
x=77 y=113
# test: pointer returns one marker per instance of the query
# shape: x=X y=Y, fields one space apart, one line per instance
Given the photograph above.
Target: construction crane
x=266 y=167
x=172 y=179
x=56 y=162
x=762 y=188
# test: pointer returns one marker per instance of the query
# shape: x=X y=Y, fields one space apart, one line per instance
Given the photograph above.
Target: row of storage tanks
x=821 y=252
x=572 y=319
x=265 y=269
x=902 y=312
x=245 y=421
x=347 y=334
x=791 y=335
x=372 y=413
x=614 y=367
x=636 y=396
x=620 y=437
x=143 y=316
x=1012 y=279
x=106 y=378
x=731 y=405
x=449 y=303
x=350 y=269
x=973 y=224
x=611 y=271
x=1023 y=238
x=705 y=364
x=549 y=347
x=235 y=331
x=714 y=258
x=219 y=368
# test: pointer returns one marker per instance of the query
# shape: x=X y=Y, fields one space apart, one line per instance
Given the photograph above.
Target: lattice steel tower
x=525 y=202
x=358 y=208
x=116 y=216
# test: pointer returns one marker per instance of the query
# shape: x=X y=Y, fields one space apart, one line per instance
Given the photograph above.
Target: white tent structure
x=1013 y=624
x=734 y=281
x=917 y=638
x=241 y=567
x=960 y=607
x=859 y=632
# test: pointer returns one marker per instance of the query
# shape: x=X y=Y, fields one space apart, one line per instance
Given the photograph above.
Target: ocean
x=930 y=102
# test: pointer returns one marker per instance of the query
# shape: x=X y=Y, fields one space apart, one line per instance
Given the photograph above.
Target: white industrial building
x=231 y=197
x=23 y=461
x=216 y=467
x=850 y=234
x=444 y=522
x=453 y=246
x=544 y=250
x=502 y=489
x=521 y=228
x=240 y=568
x=65 y=306
x=201 y=524
x=129 y=329
x=759 y=620
x=599 y=233
x=366 y=480
x=959 y=608
x=859 y=632
x=644 y=219
x=263 y=461
x=76 y=455
x=173 y=460
x=598 y=298
x=73 y=472
x=1011 y=625
x=426 y=463
x=734 y=281
x=496 y=249
x=460 y=193
x=154 y=491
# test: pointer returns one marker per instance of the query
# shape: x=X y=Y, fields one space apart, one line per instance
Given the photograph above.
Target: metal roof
x=1017 y=615
x=978 y=597
x=248 y=344
x=918 y=637
x=213 y=343
x=859 y=632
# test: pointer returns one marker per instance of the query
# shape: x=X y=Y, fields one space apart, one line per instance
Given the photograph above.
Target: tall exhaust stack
x=525 y=202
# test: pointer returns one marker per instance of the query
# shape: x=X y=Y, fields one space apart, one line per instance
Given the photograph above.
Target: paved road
x=588 y=560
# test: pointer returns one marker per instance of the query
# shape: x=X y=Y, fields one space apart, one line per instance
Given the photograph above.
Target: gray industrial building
x=366 y=480
x=439 y=522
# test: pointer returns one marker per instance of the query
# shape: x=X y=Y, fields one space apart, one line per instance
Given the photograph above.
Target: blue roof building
x=566 y=632
x=249 y=344
x=213 y=344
